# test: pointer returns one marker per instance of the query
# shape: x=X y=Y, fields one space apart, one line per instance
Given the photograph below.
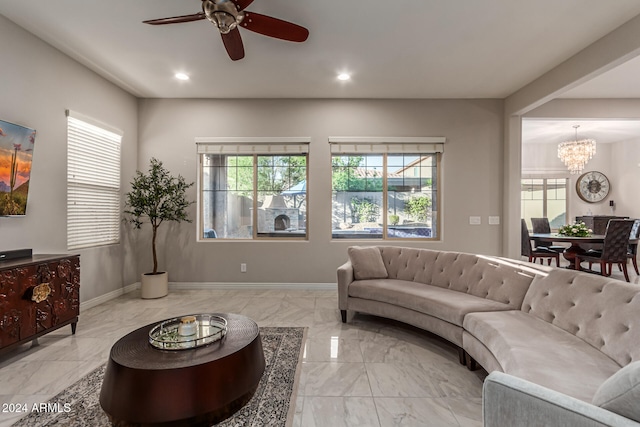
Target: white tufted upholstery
x=478 y=276
x=534 y=350
x=602 y=312
x=441 y=286
x=564 y=329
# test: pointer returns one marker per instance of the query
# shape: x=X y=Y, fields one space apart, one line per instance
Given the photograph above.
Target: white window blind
x=93 y=183
x=259 y=145
x=414 y=145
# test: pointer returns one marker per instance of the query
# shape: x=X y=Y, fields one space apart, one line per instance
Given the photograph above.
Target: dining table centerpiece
x=578 y=229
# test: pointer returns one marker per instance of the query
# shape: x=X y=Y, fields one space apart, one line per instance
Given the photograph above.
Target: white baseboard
x=253 y=286
x=108 y=296
x=213 y=286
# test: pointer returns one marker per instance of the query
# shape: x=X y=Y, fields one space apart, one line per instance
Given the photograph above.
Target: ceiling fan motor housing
x=224 y=14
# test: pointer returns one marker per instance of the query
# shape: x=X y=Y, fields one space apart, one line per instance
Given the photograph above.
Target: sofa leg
x=343 y=314
x=472 y=365
x=462 y=356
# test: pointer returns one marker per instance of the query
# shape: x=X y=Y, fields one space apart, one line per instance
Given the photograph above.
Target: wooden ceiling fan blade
x=233 y=43
x=176 y=19
x=273 y=27
x=242 y=4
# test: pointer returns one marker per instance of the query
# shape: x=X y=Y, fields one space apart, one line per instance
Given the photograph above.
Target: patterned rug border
x=76 y=405
x=296 y=380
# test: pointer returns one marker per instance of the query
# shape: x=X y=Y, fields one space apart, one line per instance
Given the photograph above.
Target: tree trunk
x=153 y=246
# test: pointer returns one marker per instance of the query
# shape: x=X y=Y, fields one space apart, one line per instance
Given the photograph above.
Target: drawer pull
x=41 y=292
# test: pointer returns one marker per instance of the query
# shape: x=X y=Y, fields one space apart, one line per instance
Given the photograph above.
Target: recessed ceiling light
x=181 y=76
x=344 y=76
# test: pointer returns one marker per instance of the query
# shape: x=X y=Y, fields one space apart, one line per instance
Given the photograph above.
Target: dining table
x=575 y=243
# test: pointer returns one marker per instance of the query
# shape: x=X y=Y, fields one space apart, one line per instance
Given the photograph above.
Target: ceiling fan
x=228 y=15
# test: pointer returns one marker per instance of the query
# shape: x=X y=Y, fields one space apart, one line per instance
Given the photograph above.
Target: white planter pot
x=154 y=285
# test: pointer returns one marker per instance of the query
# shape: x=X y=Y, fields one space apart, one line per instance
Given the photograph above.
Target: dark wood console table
x=144 y=385
x=38 y=294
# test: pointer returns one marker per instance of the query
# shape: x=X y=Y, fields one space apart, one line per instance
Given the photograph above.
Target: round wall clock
x=593 y=186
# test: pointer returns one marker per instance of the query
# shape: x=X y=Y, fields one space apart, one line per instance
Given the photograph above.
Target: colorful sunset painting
x=16 y=151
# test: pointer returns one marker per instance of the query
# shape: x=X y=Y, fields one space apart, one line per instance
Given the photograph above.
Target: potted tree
x=156 y=197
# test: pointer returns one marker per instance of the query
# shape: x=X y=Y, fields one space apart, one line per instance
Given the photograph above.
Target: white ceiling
x=620 y=82
x=544 y=131
x=400 y=49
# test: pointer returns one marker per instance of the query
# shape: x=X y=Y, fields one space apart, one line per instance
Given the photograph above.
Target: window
x=385 y=190
x=252 y=190
x=544 y=197
x=93 y=183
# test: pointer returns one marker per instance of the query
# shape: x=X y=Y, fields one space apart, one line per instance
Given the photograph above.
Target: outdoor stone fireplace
x=274 y=215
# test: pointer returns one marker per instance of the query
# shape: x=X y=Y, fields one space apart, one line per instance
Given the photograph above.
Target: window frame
x=544 y=190
x=386 y=146
x=254 y=146
x=90 y=138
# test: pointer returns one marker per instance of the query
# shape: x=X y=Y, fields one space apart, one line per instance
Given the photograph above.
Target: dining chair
x=614 y=248
x=539 y=252
x=632 y=252
x=541 y=226
x=633 y=247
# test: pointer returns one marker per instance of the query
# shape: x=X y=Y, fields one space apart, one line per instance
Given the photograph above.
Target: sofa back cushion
x=601 y=311
x=486 y=277
x=411 y=264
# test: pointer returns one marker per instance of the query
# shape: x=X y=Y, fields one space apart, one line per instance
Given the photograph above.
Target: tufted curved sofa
x=563 y=330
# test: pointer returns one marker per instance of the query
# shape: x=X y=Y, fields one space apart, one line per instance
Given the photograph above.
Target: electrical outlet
x=475 y=220
x=243 y=268
x=494 y=220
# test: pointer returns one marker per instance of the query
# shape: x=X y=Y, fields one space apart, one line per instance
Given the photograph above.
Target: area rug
x=272 y=404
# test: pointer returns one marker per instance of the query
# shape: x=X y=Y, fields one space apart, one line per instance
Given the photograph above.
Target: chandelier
x=575 y=154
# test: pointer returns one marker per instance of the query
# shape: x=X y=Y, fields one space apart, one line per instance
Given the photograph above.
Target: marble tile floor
x=369 y=372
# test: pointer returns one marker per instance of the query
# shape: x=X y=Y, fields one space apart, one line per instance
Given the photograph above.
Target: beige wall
x=606 y=53
x=619 y=161
x=541 y=160
x=38 y=83
x=471 y=177
x=480 y=173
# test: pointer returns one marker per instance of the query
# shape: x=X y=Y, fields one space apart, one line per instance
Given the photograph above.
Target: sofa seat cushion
x=445 y=304
x=540 y=352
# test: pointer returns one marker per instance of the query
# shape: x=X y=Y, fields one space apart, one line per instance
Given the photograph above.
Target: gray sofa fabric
x=514 y=402
x=533 y=349
x=621 y=392
x=465 y=283
x=442 y=303
x=565 y=330
x=367 y=263
x=483 y=277
x=446 y=330
x=600 y=311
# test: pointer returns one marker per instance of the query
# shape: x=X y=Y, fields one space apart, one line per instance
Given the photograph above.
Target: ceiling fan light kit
x=228 y=15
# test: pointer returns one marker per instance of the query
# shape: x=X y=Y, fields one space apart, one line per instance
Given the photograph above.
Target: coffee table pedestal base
x=145 y=386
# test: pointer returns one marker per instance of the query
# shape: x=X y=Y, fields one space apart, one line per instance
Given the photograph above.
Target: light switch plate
x=475 y=220
x=494 y=220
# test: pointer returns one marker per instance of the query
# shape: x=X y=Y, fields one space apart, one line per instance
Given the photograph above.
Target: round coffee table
x=144 y=385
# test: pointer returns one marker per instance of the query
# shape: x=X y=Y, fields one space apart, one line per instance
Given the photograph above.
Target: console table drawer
x=38 y=294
